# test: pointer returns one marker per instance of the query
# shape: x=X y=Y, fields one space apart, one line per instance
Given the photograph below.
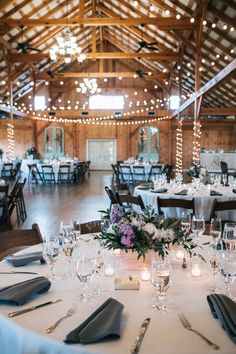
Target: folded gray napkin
x=183 y=192
x=160 y=190
x=144 y=187
x=234 y=190
x=103 y=324
x=20 y=293
x=223 y=308
x=23 y=259
x=212 y=193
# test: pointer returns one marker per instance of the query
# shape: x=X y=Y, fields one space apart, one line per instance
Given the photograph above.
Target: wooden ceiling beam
x=220 y=15
x=158 y=76
x=208 y=86
x=219 y=111
x=161 y=22
x=26 y=58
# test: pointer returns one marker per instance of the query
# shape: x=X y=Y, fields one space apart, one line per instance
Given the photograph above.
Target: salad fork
x=188 y=326
x=68 y=313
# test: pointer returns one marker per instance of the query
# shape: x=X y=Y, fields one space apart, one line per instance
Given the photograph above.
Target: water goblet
x=84 y=271
x=224 y=179
x=51 y=252
x=214 y=262
x=215 y=231
x=185 y=221
x=160 y=279
x=230 y=236
x=228 y=270
x=68 y=246
x=198 y=226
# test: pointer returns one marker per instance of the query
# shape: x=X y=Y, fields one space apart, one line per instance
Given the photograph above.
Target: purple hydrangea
x=127 y=235
x=116 y=214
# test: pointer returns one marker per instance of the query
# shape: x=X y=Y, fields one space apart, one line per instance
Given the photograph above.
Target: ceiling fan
x=24 y=46
x=146 y=45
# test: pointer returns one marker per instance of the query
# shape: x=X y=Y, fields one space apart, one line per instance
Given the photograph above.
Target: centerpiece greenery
x=141 y=232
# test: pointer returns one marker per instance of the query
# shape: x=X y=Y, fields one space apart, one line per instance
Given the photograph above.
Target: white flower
x=110 y=230
x=151 y=229
x=135 y=222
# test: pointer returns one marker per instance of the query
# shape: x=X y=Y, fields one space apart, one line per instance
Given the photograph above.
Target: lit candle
x=179 y=254
x=196 y=270
x=145 y=274
x=109 y=270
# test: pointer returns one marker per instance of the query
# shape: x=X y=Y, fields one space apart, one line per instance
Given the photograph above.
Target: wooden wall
x=215 y=135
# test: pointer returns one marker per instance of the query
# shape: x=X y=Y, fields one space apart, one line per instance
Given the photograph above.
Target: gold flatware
x=68 y=313
x=20 y=312
x=188 y=326
x=135 y=348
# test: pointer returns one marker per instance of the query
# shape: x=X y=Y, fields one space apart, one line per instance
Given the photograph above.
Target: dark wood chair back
x=111 y=195
x=218 y=206
x=175 y=203
x=90 y=227
x=15 y=240
x=128 y=200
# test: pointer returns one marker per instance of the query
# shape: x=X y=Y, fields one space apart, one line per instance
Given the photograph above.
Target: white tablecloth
x=203 y=200
x=165 y=334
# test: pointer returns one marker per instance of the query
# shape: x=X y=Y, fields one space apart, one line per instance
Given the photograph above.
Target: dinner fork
x=188 y=326
x=68 y=313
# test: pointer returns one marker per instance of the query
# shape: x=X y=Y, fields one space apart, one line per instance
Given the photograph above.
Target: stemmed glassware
x=198 y=226
x=51 y=252
x=215 y=231
x=84 y=270
x=230 y=236
x=228 y=270
x=224 y=179
x=160 y=279
x=185 y=221
x=214 y=261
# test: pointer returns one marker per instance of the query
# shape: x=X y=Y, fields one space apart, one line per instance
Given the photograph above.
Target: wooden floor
x=48 y=204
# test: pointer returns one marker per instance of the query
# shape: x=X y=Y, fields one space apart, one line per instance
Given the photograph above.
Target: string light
x=10 y=141
x=179 y=146
x=196 y=141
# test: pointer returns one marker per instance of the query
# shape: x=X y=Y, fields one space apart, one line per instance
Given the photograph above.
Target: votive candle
x=145 y=274
x=196 y=270
x=109 y=270
x=179 y=254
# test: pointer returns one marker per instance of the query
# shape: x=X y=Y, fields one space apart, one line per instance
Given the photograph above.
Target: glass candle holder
x=196 y=269
x=109 y=269
x=145 y=274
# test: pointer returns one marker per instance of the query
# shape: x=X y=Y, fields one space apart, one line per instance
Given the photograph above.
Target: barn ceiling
x=159 y=37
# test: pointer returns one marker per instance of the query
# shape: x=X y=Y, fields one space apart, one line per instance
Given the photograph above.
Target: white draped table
x=203 y=200
x=165 y=334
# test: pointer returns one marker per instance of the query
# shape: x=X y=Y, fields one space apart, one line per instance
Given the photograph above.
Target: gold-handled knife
x=20 y=312
x=135 y=348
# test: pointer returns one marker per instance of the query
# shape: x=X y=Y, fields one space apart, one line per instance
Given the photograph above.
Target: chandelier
x=89 y=86
x=68 y=48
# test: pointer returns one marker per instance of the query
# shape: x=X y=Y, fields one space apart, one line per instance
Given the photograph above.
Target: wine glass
x=215 y=231
x=160 y=279
x=230 y=236
x=68 y=246
x=51 y=252
x=224 y=179
x=214 y=261
x=198 y=226
x=84 y=271
x=185 y=221
x=228 y=270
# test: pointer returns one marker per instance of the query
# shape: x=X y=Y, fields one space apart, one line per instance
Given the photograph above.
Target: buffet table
x=203 y=200
x=165 y=333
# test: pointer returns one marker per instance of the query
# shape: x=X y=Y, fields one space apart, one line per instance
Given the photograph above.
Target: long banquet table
x=202 y=198
x=165 y=333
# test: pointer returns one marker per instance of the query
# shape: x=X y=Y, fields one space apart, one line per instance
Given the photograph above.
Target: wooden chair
x=90 y=227
x=126 y=173
x=167 y=170
x=219 y=206
x=64 y=173
x=5 y=217
x=16 y=170
x=175 y=203
x=139 y=174
x=7 y=170
x=225 y=171
x=48 y=174
x=34 y=174
x=128 y=200
x=111 y=195
x=16 y=200
x=15 y=240
x=155 y=170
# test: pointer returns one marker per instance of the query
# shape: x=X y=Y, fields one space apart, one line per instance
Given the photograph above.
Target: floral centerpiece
x=141 y=232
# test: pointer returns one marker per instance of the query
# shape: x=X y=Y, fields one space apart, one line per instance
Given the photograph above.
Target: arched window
x=148 y=143
x=54 y=142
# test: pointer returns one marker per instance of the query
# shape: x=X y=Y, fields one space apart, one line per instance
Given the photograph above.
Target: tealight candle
x=179 y=254
x=196 y=270
x=145 y=274
x=109 y=270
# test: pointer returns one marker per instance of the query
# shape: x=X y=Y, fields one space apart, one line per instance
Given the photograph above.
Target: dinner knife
x=20 y=312
x=15 y=272
x=135 y=348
